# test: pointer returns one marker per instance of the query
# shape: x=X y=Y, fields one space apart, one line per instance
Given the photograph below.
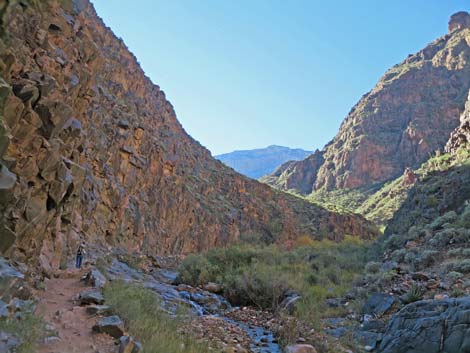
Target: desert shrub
x=261 y=276
x=464 y=219
x=253 y=239
x=304 y=240
x=414 y=294
x=425 y=259
x=462 y=266
x=395 y=241
x=399 y=255
x=455 y=252
x=454 y=276
x=432 y=201
x=410 y=256
x=448 y=217
x=28 y=328
x=459 y=252
x=143 y=314
x=260 y=286
x=457 y=292
x=372 y=267
x=450 y=236
x=196 y=270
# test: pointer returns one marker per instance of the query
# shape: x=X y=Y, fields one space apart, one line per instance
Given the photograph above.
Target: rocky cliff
x=93 y=151
x=461 y=135
x=407 y=116
x=261 y=161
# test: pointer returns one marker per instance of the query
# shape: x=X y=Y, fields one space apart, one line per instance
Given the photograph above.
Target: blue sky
x=250 y=73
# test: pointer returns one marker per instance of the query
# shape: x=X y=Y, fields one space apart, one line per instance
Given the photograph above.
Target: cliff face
x=98 y=154
x=297 y=175
x=460 y=137
x=406 y=117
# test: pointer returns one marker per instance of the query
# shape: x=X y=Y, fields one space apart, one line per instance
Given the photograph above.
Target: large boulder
x=11 y=280
x=95 y=278
x=111 y=325
x=430 y=326
x=378 y=304
x=91 y=297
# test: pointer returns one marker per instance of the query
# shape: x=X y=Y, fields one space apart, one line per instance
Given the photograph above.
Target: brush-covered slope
x=99 y=154
x=407 y=116
x=261 y=161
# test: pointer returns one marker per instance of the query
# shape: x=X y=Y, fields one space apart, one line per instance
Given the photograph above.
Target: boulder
x=91 y=297
x=111 y=325
x=7 y=178
x=10 y=280
x=127 y=344
x=213 y=287
x=3 y=309
x=300 y=348
x=98 y=310
x=95 y=278
x=378 y=304
x=8 y=342
x=289 y=302
x=429 y=326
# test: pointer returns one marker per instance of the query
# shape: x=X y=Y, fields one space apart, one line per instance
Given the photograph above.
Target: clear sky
x=251 y=73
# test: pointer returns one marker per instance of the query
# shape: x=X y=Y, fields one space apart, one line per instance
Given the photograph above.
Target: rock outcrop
x=461 y=135
x=430 y=326
x=297 y=175
x=98 y=153
x=407 y=116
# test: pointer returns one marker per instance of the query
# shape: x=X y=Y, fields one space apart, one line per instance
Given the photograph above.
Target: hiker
x=80 y=254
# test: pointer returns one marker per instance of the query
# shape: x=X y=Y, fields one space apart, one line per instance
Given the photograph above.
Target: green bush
x=464 y=219
x=142 y=312
x=454 y=276
x=462 y=266
x=448 y=217
x=414 y=294
x=372 y=267
x=394 y=242
x=29 y=328
x=261 y=276
x=399 y=255
x=425 y=259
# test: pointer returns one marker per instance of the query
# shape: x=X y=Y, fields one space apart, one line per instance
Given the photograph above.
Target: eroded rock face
x=459 y=21
x=407 y=116
x=429 y=326
x=100 y=156
x=461 y=135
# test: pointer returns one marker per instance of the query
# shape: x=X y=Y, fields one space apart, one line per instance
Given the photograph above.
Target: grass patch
x=261 y=276
x=28 y=328
x=140 y=308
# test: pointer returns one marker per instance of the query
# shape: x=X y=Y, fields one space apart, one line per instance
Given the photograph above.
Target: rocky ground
x=69 y=323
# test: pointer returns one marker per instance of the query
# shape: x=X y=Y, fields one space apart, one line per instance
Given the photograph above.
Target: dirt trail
x=72 y=324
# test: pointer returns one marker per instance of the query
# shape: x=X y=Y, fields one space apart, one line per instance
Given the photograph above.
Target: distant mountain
x=261 y=161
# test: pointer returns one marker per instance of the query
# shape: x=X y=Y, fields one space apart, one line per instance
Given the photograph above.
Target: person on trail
x=80 y=254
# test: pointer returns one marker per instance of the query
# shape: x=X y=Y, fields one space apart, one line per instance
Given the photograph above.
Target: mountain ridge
x=258 y=162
